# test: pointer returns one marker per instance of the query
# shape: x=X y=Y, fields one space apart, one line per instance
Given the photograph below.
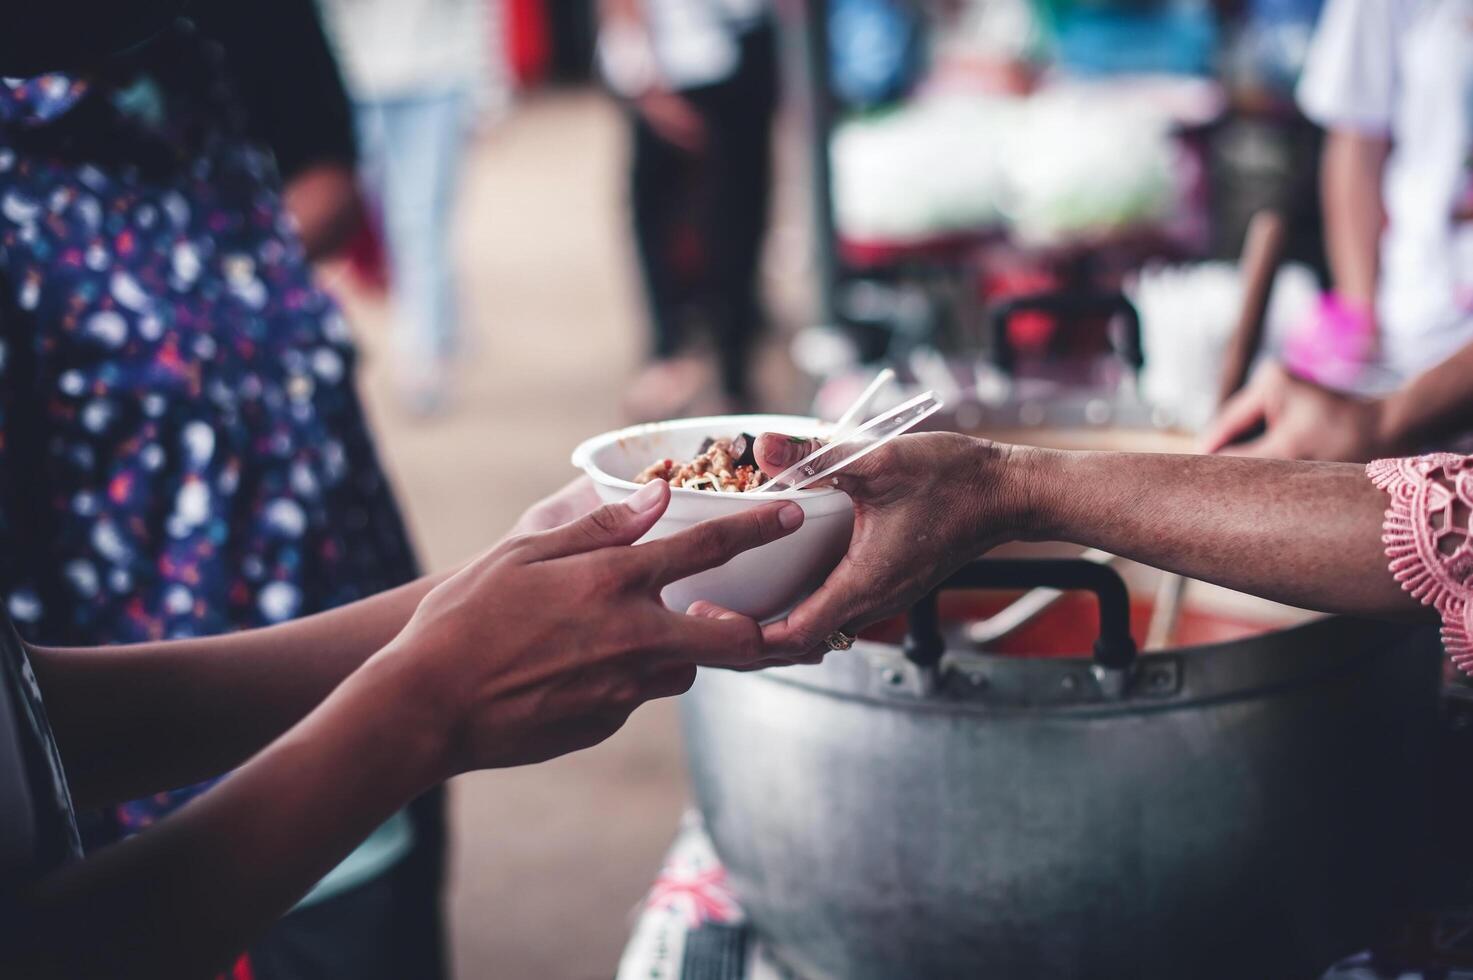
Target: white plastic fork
x=850 y=418
x=834 y=456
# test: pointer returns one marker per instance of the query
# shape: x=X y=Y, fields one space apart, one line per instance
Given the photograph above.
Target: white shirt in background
x=396 y=48
x=1404 y=69
x=691 y=43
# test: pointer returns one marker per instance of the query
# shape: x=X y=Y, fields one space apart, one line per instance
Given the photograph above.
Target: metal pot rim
x=979 y=683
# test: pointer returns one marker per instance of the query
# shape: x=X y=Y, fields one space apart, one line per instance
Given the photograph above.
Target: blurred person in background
x=700 y=80
x=184 y=453
x=1381 y=366
x=1391 y=81
x=419 y=73
x=302 y=114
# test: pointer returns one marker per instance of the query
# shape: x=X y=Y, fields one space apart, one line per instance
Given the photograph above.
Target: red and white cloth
x=690 y=927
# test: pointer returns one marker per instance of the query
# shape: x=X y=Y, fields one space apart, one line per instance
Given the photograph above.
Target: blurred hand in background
x=1283 y=416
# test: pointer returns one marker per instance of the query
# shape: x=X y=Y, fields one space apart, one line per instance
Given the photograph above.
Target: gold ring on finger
x=839 y=640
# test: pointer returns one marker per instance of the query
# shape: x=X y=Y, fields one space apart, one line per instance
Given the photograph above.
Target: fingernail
x=645 y=497
x=780 y=451
x=789 y=516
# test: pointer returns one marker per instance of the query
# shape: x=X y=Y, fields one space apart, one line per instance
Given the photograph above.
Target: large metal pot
x=1248 y=809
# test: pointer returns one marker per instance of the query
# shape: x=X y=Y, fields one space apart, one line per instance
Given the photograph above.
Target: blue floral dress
x=182 y=451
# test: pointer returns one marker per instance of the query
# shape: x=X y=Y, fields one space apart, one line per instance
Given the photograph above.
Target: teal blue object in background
x=383 y=849
x=874 y=50
x=1178 y=37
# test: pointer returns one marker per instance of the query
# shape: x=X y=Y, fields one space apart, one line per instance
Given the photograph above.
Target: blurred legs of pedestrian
x=720 y=194
x=412 y=147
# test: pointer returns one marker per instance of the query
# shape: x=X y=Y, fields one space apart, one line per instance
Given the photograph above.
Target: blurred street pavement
x=548 y=861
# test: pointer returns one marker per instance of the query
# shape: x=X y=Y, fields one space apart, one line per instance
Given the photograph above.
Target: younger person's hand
x=546 y=643
x=568 y=503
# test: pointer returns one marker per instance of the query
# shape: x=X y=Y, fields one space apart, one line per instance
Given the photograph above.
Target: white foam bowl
x=762 y=583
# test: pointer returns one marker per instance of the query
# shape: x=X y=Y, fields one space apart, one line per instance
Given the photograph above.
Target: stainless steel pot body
x=1250 y=810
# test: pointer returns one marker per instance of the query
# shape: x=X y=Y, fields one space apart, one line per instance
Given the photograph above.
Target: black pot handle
x=1068 y=304
x=1113 y=649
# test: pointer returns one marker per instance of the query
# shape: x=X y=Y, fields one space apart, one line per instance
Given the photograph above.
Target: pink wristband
x=1333 y=344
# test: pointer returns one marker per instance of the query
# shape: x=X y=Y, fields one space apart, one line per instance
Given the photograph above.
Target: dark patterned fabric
x=182 y=451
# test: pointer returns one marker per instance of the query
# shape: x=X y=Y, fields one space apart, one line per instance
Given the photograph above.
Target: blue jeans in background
x=411 y=146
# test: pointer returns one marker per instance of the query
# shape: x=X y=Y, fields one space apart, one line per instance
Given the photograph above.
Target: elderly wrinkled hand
x=924 y=505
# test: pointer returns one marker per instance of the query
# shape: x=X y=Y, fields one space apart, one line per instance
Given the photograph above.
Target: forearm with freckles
x=1306 y=534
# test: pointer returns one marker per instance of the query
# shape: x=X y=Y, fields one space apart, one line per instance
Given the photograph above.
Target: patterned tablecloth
x=690 y=927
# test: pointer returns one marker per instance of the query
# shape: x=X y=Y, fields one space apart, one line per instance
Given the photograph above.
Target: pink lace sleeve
x=1429 y=539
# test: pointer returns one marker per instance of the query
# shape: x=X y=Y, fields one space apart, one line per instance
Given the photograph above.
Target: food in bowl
x=761 y=583
x=722 y=465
